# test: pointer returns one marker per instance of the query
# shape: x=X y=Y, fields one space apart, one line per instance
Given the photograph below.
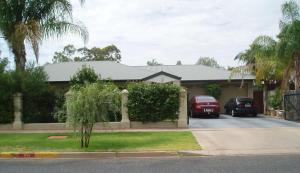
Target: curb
x=28 y=154
x=95 y=154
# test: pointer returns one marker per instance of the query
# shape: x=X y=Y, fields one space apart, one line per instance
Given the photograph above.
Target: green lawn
x=118 y=141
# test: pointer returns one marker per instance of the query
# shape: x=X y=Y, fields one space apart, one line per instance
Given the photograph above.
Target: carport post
x=124 y=109
x=182 y=119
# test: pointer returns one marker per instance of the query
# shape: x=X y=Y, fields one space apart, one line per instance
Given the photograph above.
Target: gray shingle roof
x=196 y=72
x=106 y=69
x=115 y=71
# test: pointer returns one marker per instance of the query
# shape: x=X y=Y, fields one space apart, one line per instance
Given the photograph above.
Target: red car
x=204 y=105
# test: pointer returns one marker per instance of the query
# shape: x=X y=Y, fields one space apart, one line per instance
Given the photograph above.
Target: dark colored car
x=204 y=105
x=240 y=106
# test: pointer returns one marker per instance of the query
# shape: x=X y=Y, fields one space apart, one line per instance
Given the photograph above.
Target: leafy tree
x=89 y=104
x=65 y=55
x=178 y=63
x=289 y=42
x=84 y=76
x=207 y=61
x=70 y=53
x=108 y=53
x=260 y=60
x=33 y=20
x=153 y=62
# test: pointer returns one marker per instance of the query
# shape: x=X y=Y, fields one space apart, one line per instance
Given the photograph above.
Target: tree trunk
x=297 y=83
x=20 y=57
x=20 y=60
x=81 y=136
x=285 y=80
x=265 y=97
x=297 y=69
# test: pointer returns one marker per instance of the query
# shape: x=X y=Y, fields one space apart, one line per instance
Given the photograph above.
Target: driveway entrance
x=227 y=121
x=246 y=135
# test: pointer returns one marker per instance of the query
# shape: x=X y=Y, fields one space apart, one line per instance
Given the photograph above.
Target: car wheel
x=254 y=115
x=233 y=113
x=217 y=115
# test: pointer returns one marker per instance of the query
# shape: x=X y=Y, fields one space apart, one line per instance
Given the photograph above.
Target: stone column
x=182 y=119
x=18 y=109
x=124 y=110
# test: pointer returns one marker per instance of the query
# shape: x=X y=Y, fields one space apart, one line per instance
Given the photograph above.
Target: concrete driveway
x=246 y=135
x=227 y=121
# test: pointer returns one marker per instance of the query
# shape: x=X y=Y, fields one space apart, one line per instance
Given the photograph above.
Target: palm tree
x=260 y=60
x=289 y=41
x=33 y=20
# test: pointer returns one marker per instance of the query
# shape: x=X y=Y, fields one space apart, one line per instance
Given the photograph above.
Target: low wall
x=124 y=124
x=97 y=126
x=6 y=127
x=45 y=126
x=156 y=125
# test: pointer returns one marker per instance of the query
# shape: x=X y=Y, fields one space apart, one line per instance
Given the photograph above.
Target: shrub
x=6 y=93
x=275 y=100
x=153 y=102
x=60 y=110
x=85 y=75
x=89 y=104
x=38 y=98
x=213 y=90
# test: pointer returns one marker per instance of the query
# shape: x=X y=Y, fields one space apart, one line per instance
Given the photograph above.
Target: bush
x=153 y=102
x=6 y=94
x=89 y=104
x=38 y=97
x=60 y=110
x=85 y=75
x=275 y=100
x=213 y=90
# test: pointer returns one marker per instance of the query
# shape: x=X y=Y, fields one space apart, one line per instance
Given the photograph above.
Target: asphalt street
x=211 y=164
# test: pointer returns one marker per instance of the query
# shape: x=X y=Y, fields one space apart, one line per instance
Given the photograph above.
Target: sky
x=169 y=30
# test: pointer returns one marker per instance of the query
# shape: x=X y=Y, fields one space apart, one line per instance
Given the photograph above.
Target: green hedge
x=38 y=97
x=6 y=93
x=153 y=102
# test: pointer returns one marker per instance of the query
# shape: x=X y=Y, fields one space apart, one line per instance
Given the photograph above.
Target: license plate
x=208 y=110
x=248 y=105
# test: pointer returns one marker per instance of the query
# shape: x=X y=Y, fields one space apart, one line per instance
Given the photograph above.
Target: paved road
x=218 y=164
x=226 y=121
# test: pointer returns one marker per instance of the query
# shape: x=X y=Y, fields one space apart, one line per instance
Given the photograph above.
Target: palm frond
x=33 y=20
x=241 y=72
x=58 y=28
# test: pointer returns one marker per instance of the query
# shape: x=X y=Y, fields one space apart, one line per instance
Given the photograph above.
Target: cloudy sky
x=170 y=30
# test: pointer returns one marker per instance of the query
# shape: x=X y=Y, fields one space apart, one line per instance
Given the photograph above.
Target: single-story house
x=192 y=77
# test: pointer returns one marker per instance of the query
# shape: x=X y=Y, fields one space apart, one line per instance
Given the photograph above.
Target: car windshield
x=205 y=99
x=245 y=100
